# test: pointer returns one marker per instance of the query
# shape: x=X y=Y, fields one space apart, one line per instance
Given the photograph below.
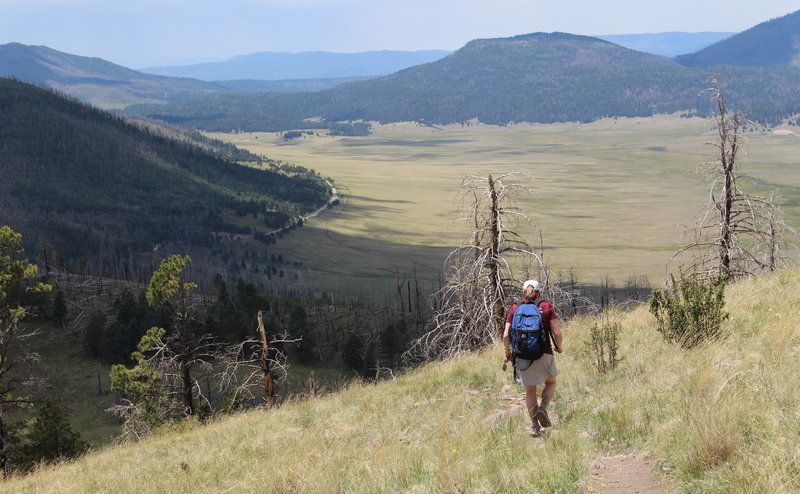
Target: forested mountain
x=537 y=77
x=667 y=44
x=95 y=80
x=308 y=65
x=771 y=43
x=92 y=188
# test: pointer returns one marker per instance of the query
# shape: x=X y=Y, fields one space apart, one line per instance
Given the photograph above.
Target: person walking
x=543 y=370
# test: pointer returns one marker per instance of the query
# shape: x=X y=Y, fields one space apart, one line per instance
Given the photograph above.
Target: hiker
x=532 y=373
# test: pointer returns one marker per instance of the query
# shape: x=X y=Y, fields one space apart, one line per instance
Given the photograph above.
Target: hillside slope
x=86 y=184
x=95 y=80
x=537 y=77
x=720 y=418
x=771 y=43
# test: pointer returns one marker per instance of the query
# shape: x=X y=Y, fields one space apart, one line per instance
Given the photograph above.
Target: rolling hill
x=540 y=77
x=102 y=193
x=769 y=44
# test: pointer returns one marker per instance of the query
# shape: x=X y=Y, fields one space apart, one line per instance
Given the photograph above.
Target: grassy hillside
x=771 y=43
x=720 y=418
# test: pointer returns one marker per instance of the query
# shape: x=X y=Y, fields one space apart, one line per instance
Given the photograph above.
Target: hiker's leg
x=530 y=402
x=548 y=391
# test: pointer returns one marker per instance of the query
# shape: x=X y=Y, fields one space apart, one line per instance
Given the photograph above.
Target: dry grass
x=722 y=417
x=613 y=197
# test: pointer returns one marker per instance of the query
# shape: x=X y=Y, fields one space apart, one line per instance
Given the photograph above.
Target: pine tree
x=59 y=308
x=49 y=437
x=15 y=271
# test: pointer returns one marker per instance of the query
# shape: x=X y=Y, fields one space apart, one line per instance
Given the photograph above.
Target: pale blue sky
x=140 y=33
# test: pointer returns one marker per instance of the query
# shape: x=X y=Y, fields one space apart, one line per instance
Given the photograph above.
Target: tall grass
x=721 y=417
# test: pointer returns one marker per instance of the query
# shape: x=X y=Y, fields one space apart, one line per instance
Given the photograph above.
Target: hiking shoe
x=535 y=431
x=542 y=417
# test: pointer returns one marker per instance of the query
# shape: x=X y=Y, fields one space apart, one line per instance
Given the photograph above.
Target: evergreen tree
x=15 y=272
x=95 y=339
x=146 y=404
x=354 y=352
x=59 y=309
x=49 y=437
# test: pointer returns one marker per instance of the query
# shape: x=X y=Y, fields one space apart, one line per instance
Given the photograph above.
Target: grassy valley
x=612 y=198
x=456 y=426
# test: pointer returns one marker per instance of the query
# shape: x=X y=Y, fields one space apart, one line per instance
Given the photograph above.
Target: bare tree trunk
x=495 y=283
x=265 y=363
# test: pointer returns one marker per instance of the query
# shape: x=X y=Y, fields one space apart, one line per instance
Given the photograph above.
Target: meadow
x=612 y=199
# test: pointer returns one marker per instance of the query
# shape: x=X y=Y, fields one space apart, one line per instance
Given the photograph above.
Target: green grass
x=719 y=418
x=613 y=198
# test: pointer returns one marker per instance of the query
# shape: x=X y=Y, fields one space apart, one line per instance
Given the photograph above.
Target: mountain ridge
x=536 y=77
x=770 y=43
x=304 y=65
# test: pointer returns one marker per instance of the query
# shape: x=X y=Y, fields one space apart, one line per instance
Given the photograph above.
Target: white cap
x=535 y=284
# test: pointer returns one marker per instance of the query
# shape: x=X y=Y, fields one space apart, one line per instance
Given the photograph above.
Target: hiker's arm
x=507 y=341
x=555 y=328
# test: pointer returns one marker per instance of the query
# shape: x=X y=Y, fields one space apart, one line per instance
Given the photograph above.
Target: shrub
x=604 y=344
x=691 y=310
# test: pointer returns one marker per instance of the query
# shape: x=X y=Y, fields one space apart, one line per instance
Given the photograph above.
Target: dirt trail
x=625 y=474
x=621 y=474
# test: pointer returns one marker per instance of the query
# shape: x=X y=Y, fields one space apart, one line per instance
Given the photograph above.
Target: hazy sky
x=140 y=33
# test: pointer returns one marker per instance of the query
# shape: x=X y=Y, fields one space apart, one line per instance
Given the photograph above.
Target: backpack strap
x=538 y=301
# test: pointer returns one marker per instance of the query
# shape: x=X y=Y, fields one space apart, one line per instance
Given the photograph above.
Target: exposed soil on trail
x=621 y=474
x=625 y=474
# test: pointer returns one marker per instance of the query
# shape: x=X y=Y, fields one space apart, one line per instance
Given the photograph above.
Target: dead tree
x=471 y=306
x=250 y=367
x=737 y=234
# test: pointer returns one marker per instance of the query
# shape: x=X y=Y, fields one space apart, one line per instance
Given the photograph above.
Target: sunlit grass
x=722 y=417
x=613 y=198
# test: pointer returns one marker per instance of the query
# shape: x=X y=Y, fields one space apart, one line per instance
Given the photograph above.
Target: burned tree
x=738 y=234
x=185 y=347
x=250 y=367
x=470 y=308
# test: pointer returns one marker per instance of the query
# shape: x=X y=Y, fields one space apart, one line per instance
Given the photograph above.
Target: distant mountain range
x=98 y=81
x=668 y=44
x=83 y=183
x=308 y=65
x=537 y=77
x=326 y=65
x=540 y=77
x=110 y=86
